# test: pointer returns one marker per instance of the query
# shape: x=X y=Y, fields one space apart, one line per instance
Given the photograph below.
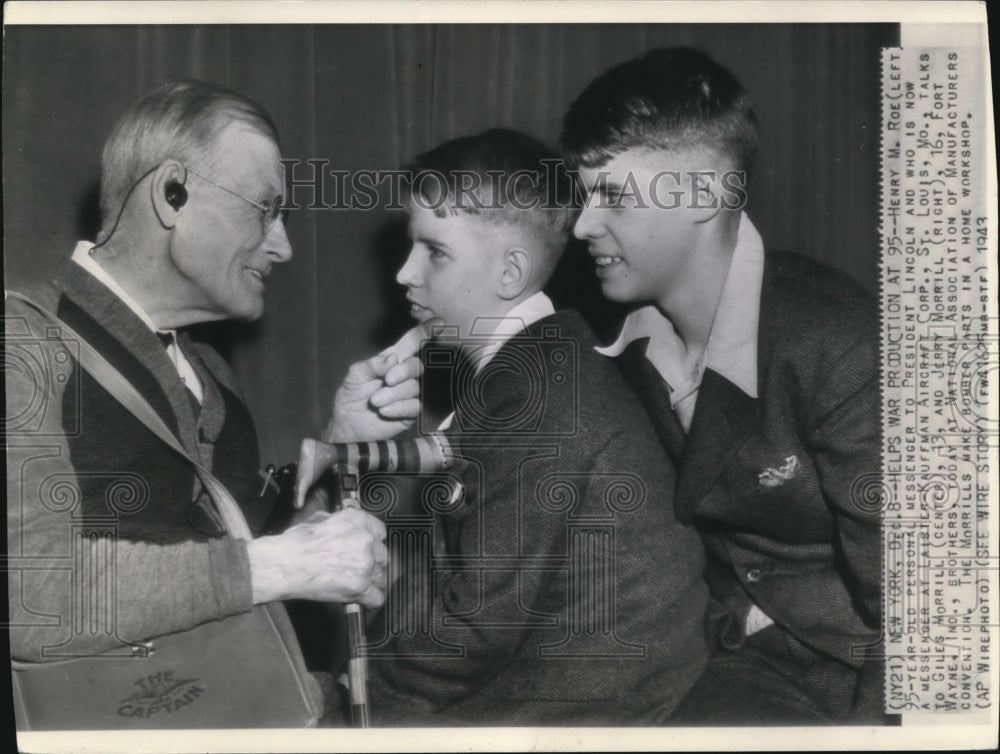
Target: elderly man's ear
x=515 y=272
x=168 y=193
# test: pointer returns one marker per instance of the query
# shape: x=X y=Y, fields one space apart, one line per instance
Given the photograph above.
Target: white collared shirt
x=82 y=257
x=732 y=344
x=496 y=331
x=731 y=350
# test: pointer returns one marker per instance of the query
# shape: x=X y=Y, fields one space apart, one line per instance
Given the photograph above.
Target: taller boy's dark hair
x=500 y=175
x=667 y=98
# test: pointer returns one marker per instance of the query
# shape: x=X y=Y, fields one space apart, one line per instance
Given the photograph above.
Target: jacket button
x=753 y=575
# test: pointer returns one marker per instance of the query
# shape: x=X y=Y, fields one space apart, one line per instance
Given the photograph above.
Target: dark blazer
x=129 y=482
x=806 y=549
x=564 y=590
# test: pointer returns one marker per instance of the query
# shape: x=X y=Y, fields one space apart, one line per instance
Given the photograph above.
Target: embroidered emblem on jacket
x=770 y=477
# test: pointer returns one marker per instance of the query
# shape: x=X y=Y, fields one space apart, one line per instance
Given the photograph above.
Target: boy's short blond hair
x=501 y=176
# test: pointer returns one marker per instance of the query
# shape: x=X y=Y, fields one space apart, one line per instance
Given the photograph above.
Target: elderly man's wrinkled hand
x=338 y=557
x=380 y=397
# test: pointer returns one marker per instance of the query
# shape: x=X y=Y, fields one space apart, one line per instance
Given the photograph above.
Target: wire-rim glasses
x=270 y=210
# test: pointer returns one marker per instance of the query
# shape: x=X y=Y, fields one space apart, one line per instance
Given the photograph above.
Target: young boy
x=760 y=372
x=562 y=589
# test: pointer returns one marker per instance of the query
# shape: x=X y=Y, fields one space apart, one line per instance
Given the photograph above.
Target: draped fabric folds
x=370 y=97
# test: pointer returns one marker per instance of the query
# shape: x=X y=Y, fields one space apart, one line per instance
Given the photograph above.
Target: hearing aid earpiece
x=176 y=194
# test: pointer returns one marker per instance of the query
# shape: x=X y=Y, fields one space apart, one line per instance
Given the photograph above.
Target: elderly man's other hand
x=339 y=557
x=380 y=396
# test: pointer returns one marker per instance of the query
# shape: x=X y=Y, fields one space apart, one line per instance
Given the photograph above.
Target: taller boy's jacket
x=785 y=487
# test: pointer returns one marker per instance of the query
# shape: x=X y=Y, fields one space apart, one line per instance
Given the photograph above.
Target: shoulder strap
x=125 y=393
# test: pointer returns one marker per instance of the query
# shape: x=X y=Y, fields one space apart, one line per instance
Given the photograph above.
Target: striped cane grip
x=422 y=454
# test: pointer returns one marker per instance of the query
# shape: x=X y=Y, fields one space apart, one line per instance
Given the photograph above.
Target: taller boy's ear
x=708 y=194
x=515 y=272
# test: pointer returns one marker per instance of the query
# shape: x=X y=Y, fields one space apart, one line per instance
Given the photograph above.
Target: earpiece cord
x=121 y=211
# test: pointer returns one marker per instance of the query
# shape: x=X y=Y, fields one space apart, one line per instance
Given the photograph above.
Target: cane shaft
x=357 y=667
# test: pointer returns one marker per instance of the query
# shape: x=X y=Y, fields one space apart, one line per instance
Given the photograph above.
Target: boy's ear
x=515 y=272
x=708 y=194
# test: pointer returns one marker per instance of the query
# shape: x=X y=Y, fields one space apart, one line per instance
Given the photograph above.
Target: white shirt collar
x=495 y=331
x=732 y=345
x=81 y=255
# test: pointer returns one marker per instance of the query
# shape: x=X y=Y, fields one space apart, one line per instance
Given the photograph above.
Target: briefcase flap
x=245 y=671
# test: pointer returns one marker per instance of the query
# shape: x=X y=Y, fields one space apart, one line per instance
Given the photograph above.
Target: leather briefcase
x=245 y=671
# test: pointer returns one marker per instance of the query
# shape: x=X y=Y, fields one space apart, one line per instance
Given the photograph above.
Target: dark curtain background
x=371 y=97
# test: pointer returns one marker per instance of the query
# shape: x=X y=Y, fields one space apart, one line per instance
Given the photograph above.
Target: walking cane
x=349 y=460
x=357 y=666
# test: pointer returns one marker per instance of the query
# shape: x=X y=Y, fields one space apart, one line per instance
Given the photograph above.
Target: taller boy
x=760 y=372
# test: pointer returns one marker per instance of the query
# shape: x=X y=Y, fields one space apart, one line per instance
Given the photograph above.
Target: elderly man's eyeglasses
x=270 y=210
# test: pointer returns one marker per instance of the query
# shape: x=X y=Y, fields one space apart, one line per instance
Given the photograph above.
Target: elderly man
x=191 y=197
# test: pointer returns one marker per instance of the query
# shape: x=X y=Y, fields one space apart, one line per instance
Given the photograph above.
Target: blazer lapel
x=724 y=419
x=652 y=392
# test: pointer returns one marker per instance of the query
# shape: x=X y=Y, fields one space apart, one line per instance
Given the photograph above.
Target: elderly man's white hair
x=178 y=120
